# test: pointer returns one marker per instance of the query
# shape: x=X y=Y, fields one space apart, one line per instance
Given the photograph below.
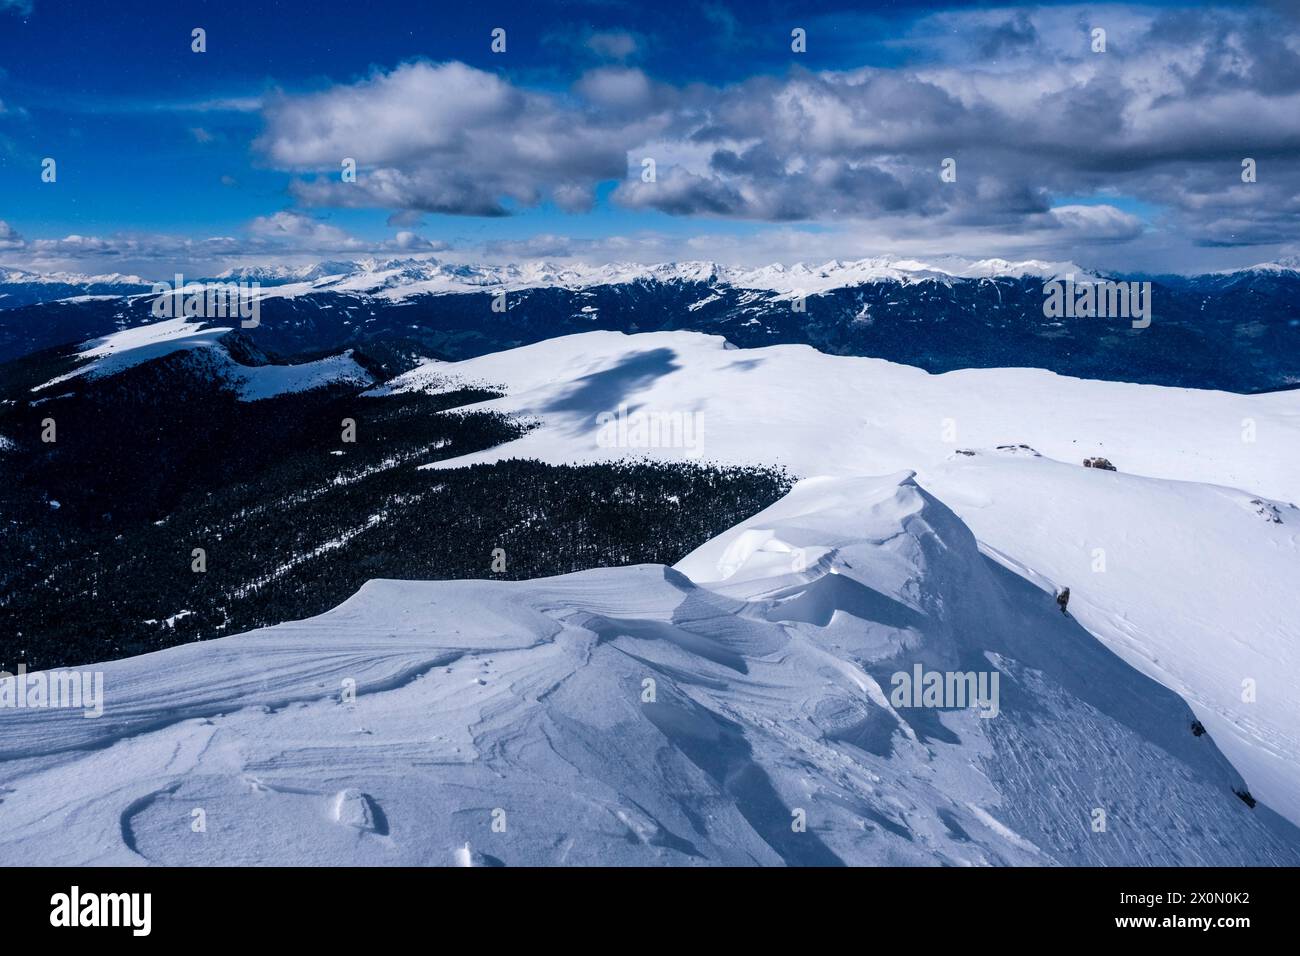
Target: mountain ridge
x=635 y=715
x=1238 y=332
x=430 y=275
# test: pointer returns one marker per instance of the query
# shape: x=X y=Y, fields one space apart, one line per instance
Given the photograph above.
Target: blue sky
x=167 y=158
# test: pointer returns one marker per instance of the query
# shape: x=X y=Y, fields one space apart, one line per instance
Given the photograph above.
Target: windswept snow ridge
x=1198 y=534
x=737 y=710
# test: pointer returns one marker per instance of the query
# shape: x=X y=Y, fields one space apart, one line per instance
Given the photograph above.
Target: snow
x=1197 y=590
x=399 y=279
x=829 y=414
x=14 y=276
x=89 y=298
x=645 y=715
x=1285 y=264
x=693 y=715
x=1200 y=583
x=804 y=280
x=121 y=350
x=130 y=347
x=267 y=381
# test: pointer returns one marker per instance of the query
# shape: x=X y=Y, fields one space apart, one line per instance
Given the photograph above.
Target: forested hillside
x=167 y=510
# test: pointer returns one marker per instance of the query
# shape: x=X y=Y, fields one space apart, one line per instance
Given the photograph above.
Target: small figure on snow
x=1062 y=598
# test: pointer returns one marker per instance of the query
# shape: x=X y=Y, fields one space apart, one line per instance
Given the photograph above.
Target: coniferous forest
x=149 y=523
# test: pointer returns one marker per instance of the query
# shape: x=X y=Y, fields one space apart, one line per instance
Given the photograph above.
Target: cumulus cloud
x=1098 y=223
x=9 y=238
x=1056 y=147
x=444 y=138
x=298 y=232
x=303 y=230
x=408 y=241
x=1018 y=98
x=285 y=236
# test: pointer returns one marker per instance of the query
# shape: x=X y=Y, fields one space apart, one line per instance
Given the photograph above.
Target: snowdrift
x=1199 y=537
x=736 y=709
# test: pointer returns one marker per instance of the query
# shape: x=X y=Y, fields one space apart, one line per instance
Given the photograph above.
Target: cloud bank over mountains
x=1063 y=144
x=1165 y=115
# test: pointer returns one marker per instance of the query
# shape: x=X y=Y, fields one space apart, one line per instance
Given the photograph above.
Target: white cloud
x=1101 y=222
x=613 y=44
x=285 y=237
x=302 y=230
x=1017 y=97
x=445 y=138
x=9 y=238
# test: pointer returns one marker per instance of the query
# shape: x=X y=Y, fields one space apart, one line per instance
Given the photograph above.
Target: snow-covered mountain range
x=397 y=278
x=400 y=278
x=23 y=276
x=18 y=287
x=1238 y=331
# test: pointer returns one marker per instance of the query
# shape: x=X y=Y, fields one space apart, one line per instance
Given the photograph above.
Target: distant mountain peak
x=10 y=276
x=394 y=278
x=1284 y=264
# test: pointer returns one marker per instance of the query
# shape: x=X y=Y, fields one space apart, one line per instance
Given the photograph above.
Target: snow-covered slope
x=1202 y=565
x=1195 y=585
x=827 y=414
x=637 y=715
x=266 y=381
x=130 y=347
x=121 y=350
